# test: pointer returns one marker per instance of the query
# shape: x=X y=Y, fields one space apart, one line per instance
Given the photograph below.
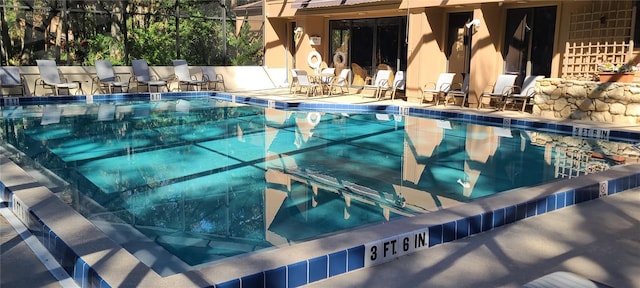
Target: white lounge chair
x=523 y=94
x=142 y=76
x=381 y=79
x=107 y=78
x=459 y=90
x=342 y=82
x=50 y=78
x=304 y=82
x=398 y=84
x=183 y=75
x=293 y=87
x=10 y=78
x=213 y=78
x=438 y=89
x=502 y=88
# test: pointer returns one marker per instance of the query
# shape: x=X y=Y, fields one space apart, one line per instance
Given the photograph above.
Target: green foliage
x=151 y=34
x=246 y=47
x=156 y=44
x=103 y=47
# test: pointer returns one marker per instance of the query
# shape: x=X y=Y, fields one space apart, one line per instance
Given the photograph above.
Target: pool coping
x=94 y=260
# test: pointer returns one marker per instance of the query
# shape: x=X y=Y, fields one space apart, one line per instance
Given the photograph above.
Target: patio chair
x=341 y=82
x=502 y=88
x=523 y=94
x=459 y=90
x=327 y=75
x=398 y=84
x=182 y=74
x=107 y=79
x=293 y=87
x=50 y=78
x=382 y=79
x=438 y=89
x=10 y=78
x=142 y=76
x=210 y=75
x=304 y=82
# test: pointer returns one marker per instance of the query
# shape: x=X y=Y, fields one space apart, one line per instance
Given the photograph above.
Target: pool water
x=208 y=180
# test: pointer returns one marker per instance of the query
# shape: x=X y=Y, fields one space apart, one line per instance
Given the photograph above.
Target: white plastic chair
x=438 y=89
x=107 y=78
x=398 y=84
x=142 y=76
x=50 y=78
x=381 y=80
x=183 y=75
x=210 y=75
x=10 y=78
x=341 y=82
x=502 y=88
x=523 y=94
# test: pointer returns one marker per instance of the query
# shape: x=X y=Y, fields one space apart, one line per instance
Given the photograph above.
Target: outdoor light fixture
x=475 y=23
x=297 y=33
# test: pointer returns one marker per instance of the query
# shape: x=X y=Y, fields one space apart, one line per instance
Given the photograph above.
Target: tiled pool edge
x=617 y=179
x=355 y=258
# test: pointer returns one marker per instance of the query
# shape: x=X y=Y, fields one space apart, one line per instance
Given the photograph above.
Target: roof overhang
x=301 y=4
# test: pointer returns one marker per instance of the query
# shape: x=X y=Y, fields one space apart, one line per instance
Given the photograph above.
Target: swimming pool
x=208 y=179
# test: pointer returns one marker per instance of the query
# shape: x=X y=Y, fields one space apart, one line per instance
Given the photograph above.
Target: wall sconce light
x=297 y=33
x=475 y=23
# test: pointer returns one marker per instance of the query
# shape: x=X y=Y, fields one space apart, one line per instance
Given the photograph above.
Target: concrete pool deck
x=479 y=261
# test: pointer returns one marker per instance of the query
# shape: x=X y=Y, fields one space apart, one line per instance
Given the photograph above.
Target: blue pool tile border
x=449 y=231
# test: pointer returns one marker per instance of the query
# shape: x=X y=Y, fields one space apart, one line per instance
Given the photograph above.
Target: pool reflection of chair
x=142 y=76
x=523 y=94
x=50 y=78
x=10 y=78
x=184 y=77
x=439 y=88
x=107 y=78
x=500 y=90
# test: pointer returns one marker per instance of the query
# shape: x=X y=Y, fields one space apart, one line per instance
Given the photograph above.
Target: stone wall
x=614 y=102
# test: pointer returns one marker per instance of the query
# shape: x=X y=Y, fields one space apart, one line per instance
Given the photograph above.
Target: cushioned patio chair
x=142 y=76
x=523 y=94
x=439 y=88
x=502 y=88
x=304 y=82
x=10 y=79
x=106 y=79
x=50 y=79
x=184 y=77
x=341 y=82
x=381 y=80
x=398 y=84
x=459 y=90
x=213 y=78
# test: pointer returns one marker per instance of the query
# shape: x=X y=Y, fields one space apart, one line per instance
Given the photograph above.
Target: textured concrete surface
x=598 y=240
